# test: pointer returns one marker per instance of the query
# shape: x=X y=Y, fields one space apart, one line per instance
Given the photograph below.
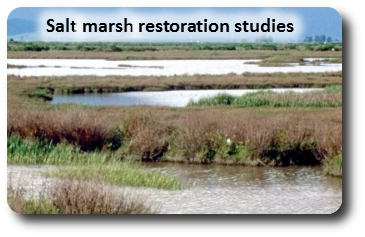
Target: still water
x=161 y=98
x=98 y=67
x=236 y=189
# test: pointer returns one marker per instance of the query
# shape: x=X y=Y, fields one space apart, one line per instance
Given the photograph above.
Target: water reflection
x=163 y=98
x=84 y=67
x=237 y=189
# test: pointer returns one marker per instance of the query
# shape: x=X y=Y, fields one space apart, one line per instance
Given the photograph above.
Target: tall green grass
x=333 y=89
x=333 y=165
x=99 y=166
x=118 y=173
x=330 y=97
x=32 y=152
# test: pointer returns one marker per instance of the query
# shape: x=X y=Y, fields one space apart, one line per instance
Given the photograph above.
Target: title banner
x=166 y=24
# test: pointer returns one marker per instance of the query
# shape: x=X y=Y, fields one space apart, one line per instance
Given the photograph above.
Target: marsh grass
x=44 y=87
x=272 y=53
x=159 y=46
x=273 y=139
x=19 y=202
x=197 y=135
x=330 y=97
x=32 y=152
x=91 y=198
x=333 y=165
x=122 y=174
x=99 y=166
x=333 y=89
x=84 y=131
x=40 y=93
x=73 y=197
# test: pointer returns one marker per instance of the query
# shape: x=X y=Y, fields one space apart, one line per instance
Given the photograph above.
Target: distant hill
x=18 y=26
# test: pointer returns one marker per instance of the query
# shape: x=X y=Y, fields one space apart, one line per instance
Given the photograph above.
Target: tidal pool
x=97 y=67
x=158 y=98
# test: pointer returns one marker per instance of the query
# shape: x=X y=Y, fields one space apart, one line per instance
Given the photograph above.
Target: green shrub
x=115 y=138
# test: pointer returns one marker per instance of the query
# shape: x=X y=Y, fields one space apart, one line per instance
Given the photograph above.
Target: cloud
x=171 y=16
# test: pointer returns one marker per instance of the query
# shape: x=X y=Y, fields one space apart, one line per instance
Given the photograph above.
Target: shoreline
x=202 y=199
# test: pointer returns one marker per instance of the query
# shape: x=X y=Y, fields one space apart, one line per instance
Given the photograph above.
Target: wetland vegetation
x=109 y=144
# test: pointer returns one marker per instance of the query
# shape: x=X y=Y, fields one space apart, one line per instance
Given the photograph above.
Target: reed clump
x=272 y=99
x=73 y=197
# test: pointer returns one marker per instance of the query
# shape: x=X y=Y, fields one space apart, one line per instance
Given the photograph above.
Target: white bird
x=229 y=142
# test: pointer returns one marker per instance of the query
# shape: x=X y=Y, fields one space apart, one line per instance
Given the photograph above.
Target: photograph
x=174 y=110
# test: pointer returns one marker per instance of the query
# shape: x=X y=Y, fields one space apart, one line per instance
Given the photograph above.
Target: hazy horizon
x=30 y=24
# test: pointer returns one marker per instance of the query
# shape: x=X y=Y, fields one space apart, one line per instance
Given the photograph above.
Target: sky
x=31 y=23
